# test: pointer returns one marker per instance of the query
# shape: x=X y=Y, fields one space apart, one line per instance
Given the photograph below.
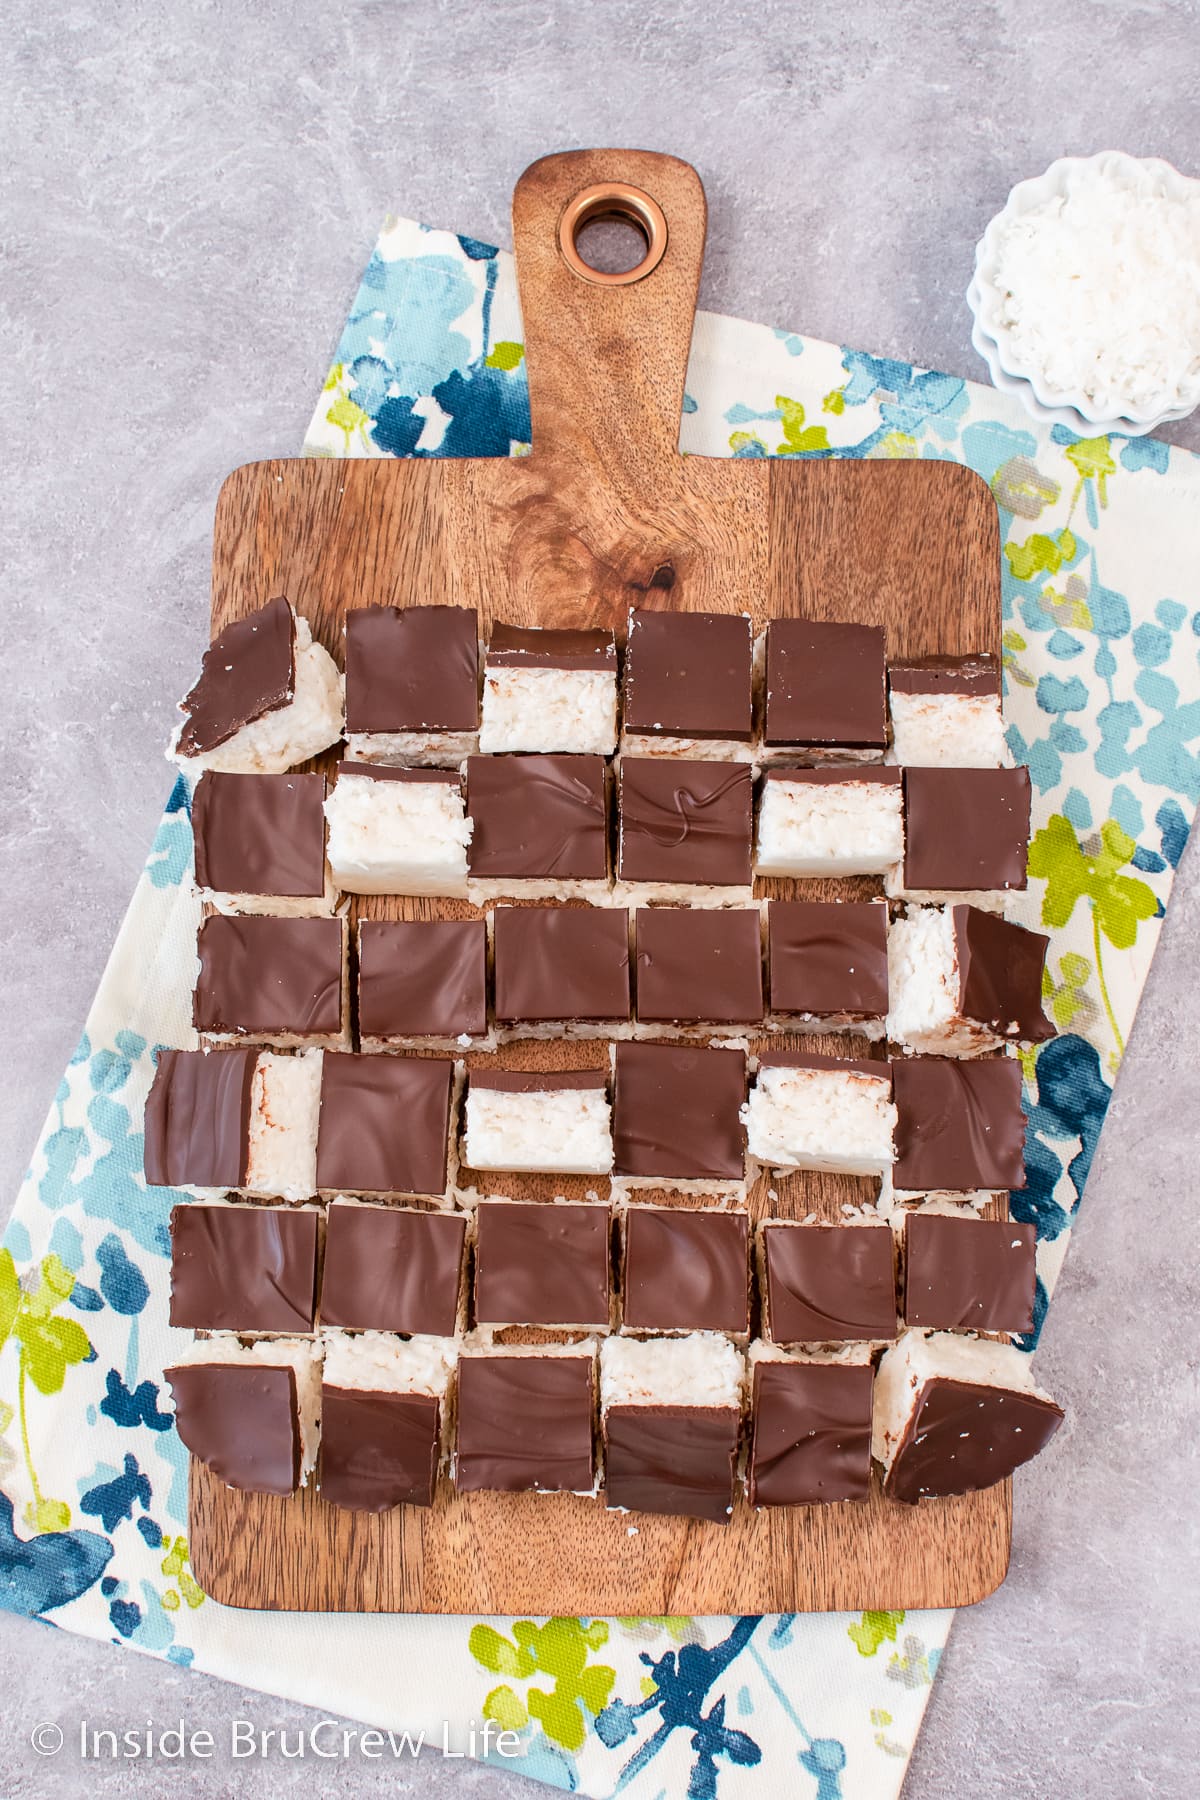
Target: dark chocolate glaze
x=671 y=1459
x=689 y=675
x=384 y=1125
x=368 y=771
x=538 y=817
x=962 y=1436
x=1000 y=968
x=243 y=1268
x=828 y=958
x=197 y=1123
x=561 y=962
x=968 y=1274
x=260 y=834
x=242 y=1421
x=699 y=965
x=685 y=821
x=422 y=978
x=525 y=1422
x=829 y=1284
x=966 y=828
x=878 y=1069
x=534 y=647
x=536 y=1081
x=389 y=1268
x=839 y=774
x=976 y=674
x=264 y=974
x=378 y=1450
x=959 y=1124
x=676 y=1112
x=826 y=685
x=248 y=671
x=685 y=1270
x=537 y=1263
x=811 y=1441
x=412 y=668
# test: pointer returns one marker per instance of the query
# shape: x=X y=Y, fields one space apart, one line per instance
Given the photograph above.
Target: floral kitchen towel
x=1102 y=635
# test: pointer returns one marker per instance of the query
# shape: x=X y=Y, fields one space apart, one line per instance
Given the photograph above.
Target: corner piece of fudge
x=964 y=982
x=946 y=712
x=671 y=1417
x=250 y=1412
x=280 y=981
x=260 y=843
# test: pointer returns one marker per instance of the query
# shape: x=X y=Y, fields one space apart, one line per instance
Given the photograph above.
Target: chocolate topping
x=689 y=675
x=977 y=674
x=538 y=817
x=877 y=1070
x=422 y=978
x=697 y=964
x=839 y=774
x=812 y=1433
x=829 y=1284
x=536 y=1081
x=260 y=834
x=248 y=671
x=561 y=962
x=242 y=1421
x=962 y=1436
x=525 y=1422
x=243 y=1268
x=828 y=958
x=412 y=668
x=378 y=1450
x=968 y=1274
x=671 y=1459
x=676 y=1112
x=959 y=1124
x=685 y=821
x=262 y=974
x=1000 y=967
x=686 y=1271
x=533 y=647
x=826 y=685
x=384 y=1125
x=369 y=771
x=388 y=1268
x=538 y=1263
x=965 y=828
x=197 y=1123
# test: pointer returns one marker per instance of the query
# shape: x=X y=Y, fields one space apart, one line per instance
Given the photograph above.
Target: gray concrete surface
x=188 y=194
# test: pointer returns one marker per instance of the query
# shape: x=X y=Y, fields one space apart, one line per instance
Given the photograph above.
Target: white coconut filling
x=827 y=1119
x=540 y=709
x=275 y=906
x=919 y=1357
x=893 y=1200
x=285 y=1103
x=993 y=900
x=301 y=1355
x=924 y=987
x=562 y=1131
x=398 y=837
x=641 y=743
x=383 y=1364
x=845 y=1355
x=701 y=1369
x=949 y=731
x=278 y=740
x=811 y=828
x=412 y=749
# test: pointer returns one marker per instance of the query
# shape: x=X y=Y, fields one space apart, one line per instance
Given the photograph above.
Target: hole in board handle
x=613 y=200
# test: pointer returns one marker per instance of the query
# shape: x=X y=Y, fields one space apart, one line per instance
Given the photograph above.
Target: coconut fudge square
x=965 y=981
x=671 y=1415
x=250 y=1412
x=422 y=981
x=260 y=842
x=689 y=680
x=392 y=1268
x=699 y=965
x=561 y=964
x=538 y=1121
x=828 y=960
x=684 y=823
x=285 y=1101
x=826 y=688
x=541 y=821
x=959 y=1124
x=968 y=1274
x=382 y=1404
x=281 y=981
x=821 y=1112
x=197 y=1121
x=828 y=1284
x=385 y=1124
x=541 y=1263
x=811 y=1437
x=685 y=1270
x=547 y=690
x=526 y=1421
x=965 y=829
x=243 y=1268
x=830 y=821
x=676 y=1113
x=397 y=831
x=412 y=683
x=946 y=712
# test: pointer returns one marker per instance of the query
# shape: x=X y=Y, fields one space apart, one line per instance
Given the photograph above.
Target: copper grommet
x=613 y=200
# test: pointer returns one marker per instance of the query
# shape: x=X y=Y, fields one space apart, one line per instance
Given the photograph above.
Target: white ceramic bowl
x=985 y=299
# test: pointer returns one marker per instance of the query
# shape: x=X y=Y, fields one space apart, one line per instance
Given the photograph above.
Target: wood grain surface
x=605 y=513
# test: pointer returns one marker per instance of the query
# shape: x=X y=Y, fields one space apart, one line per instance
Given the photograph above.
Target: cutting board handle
x=607 y=355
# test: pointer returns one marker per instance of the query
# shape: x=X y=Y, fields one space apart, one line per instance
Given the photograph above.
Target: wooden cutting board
x=605 y=513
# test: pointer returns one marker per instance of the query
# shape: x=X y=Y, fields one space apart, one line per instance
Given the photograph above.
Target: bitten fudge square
x=811 y=1434
x=561 y=966
x=412 y=683
x=684 y=824
x=828 y=961
x=260 y=842
x=677 y=1114
x=539 y=823
x=671 y=1416
x=278 y=980
x=542 y=1263
x=555 y=1122
x=197 y=1121
x=547 y=690
x=965 y=981
x=383 y=1405
x=826 y=691
x=827 y=1284
x=685 y=1270
x=830 y=1113
x=392 y=1268
x=969 y=1274
x=959 y=1125
x=385 y=1125
x=965 y=830
x=250 y=1412
x=699 y=966
x=946 y=712
x=831 y=821
x=398 y=831
x=688 y=683
x=526 y=1420
x=422 y=982
x=243 y=1268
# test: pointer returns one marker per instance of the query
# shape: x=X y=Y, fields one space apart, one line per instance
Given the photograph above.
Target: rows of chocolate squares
x=289 y=1126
